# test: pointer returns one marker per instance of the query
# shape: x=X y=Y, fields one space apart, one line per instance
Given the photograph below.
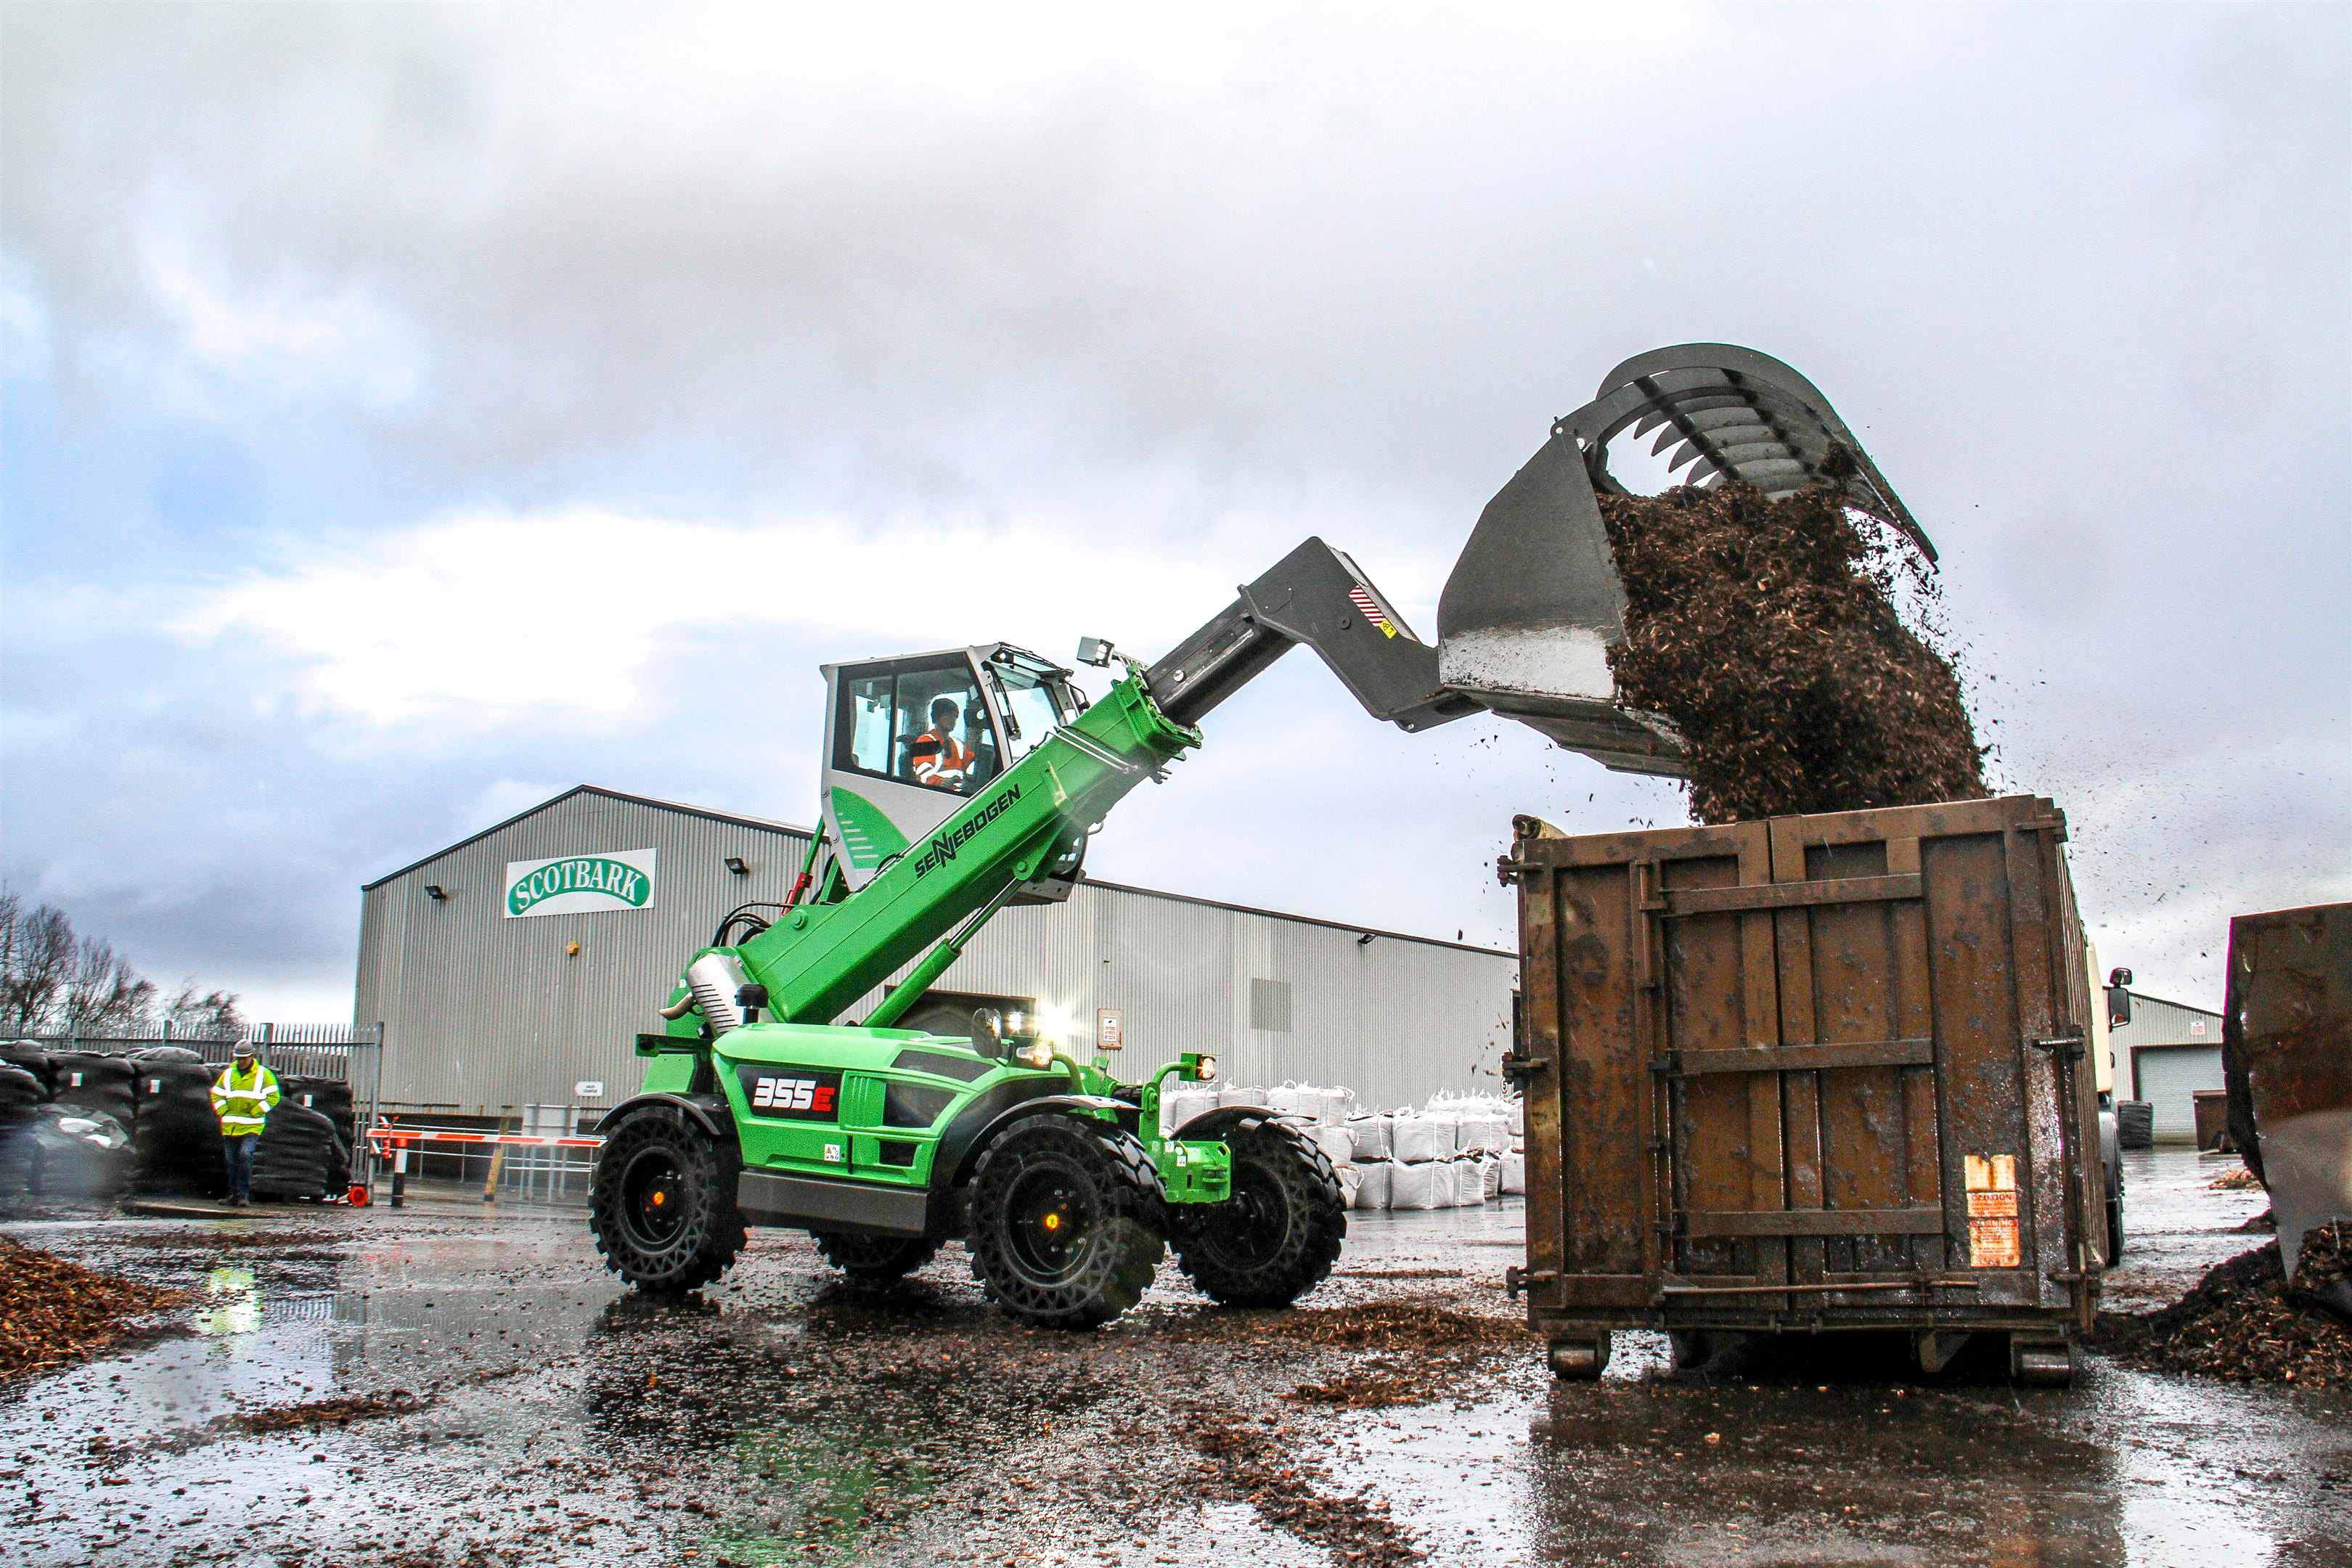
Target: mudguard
x=961 y=1149
x=1212 y=1124
x=708 y=1111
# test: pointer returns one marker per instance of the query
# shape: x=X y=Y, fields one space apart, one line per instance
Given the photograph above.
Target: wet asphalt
x=785 y=1419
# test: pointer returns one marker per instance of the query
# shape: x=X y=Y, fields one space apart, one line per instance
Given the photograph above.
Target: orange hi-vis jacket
x=941 y=761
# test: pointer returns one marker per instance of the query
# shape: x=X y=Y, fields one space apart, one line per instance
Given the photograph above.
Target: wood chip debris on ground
x=1265 y=1462
x=317 y=1413
x=2237 y=1180
x=2244 y=1322
x=1767 y=631
x=54 y=1312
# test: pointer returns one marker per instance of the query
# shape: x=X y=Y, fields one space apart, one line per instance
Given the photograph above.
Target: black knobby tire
x=662 y=1203
x=1279 y=1234
x=1065 y=1220
x=876 y=1260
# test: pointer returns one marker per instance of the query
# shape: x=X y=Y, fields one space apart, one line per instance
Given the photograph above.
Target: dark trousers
x=240 y=1165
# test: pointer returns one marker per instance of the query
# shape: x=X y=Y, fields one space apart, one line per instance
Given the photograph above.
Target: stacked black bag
x=94 y=1082
x=331 y=1097
x=33 y=1059
x=300 y=1155
x=20 y=1092
x=177 y=1132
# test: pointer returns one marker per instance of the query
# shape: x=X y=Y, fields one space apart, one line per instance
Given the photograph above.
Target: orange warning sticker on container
x=1992 y=1244
x=1993 y=1240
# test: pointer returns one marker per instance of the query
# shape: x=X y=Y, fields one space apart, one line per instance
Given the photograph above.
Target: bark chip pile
x=53 y=1312
x=2243 y=1322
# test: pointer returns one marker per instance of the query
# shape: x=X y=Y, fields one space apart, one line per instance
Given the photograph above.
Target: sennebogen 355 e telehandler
x=955 y=783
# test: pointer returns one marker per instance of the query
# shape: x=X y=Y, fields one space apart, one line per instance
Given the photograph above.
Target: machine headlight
x=1207 y=1068
x=1037 y=1054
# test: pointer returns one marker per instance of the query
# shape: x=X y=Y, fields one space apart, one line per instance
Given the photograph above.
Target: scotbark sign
x=581 y=884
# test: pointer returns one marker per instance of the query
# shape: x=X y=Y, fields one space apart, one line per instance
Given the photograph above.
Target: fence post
x=269 y=1033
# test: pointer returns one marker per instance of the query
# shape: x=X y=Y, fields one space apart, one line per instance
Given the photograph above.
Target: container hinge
x=1516 y=1279
x=1507 y=870
x=2068 y=1046
x=1517 y=1069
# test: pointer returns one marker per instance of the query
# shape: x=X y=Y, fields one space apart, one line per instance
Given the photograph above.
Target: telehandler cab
x=956 y=782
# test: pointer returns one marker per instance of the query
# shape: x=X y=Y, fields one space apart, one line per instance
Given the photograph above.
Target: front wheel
x=662 y=1203
x=1276 y=1238
x=1065 y=1222
x=875 y=1259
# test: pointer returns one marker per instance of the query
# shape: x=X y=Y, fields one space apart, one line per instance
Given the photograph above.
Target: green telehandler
x=959 y=782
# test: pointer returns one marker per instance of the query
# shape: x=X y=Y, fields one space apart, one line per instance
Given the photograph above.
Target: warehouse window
x=1270 y=1005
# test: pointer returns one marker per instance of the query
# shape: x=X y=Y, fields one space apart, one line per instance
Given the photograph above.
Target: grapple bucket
x=1534 y=601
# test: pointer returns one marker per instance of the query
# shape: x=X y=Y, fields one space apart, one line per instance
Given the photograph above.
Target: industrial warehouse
x=492 y=1000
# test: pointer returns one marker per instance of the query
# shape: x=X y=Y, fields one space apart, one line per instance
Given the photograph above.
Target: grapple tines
x=1534 y=601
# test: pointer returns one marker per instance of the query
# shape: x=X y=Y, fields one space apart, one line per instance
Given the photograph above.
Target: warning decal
x=1993 y=1241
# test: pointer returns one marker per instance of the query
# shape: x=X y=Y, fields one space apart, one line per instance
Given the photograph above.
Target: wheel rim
x=1048 y=1216
x=1250 y=1229
x=653 y=1199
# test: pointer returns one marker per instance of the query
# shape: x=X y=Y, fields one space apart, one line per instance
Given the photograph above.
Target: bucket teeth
x=1534 y=601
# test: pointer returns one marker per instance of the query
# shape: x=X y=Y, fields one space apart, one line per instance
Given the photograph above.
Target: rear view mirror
x=2118 y=1004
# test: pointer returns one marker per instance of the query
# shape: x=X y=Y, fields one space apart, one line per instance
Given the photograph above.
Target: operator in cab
x=942 y=760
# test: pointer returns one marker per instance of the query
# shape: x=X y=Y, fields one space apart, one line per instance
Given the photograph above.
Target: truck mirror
x=2118 y=1004
x=988 y=1031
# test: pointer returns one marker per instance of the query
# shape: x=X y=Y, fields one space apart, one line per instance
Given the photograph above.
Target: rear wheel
x=1279 y=1234
x=875 y=1259
x=1065 y=1218
x=662 y=1203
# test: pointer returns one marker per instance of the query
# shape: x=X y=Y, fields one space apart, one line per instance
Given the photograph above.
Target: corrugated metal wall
x=483 y=1012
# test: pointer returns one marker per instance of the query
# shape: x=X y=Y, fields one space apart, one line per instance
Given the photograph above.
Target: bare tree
x=56 y=981
x=213 y=1015
x=36 y=950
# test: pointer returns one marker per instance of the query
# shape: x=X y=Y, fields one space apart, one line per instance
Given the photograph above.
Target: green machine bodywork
x=879 y=1105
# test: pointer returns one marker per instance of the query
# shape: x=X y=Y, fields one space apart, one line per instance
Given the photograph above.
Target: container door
x=1901 y=1122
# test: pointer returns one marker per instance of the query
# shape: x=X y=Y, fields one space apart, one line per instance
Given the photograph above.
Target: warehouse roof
x=707 y=814
x=772 y=827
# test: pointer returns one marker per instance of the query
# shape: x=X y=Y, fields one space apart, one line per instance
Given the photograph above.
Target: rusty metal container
x=1810 y=1073
x=2211 y=1108
x=2287 y=1055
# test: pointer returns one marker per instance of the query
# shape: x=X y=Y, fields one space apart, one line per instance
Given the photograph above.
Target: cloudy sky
x=411 y=412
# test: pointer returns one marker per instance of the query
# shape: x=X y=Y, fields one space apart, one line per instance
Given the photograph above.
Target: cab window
x=920 y=721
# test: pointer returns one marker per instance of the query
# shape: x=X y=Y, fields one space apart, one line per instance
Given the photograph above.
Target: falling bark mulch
x=1264 y=1463
x=54 y=1312
x=1767 y=631
x=2243 y=1322
x=1413 y=1353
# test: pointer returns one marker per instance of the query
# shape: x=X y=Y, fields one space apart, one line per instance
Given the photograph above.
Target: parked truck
x=1811 y=1073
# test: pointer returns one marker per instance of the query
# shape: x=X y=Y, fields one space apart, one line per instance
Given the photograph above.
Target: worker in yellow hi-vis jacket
x=242 y=1099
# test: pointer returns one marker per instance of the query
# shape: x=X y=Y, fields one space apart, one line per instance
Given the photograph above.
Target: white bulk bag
x=1338 y=1146
x=1424 y=1186
x=1372 y=1135
x=1348 y=1179
x=1514 y=1175
x=1469 y=1182
x=1415 y=1139
x=1492 y=1166
x=1339 y=1104
x=1481 y=1132
x=1178 y=1106
x=1516 y=1117
x=1294 y=1098
x=1373 y=1184
x=1235 y=1094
